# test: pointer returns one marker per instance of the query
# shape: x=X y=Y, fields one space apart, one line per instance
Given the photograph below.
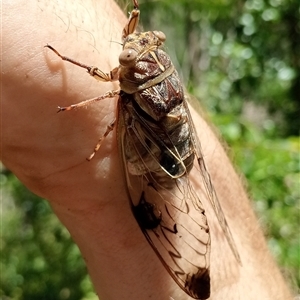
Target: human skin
x=47 y=152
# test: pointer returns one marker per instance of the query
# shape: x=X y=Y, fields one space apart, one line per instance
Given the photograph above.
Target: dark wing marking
x=181 y=243
x=172 y=219
x=210 y=190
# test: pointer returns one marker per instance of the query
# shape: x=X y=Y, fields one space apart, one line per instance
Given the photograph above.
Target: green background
x=241 y=59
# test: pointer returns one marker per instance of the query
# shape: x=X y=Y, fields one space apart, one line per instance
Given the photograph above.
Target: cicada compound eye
x=127 y=57
x=160 y=35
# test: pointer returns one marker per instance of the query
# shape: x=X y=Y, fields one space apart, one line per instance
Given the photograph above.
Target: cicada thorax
x=157 y=139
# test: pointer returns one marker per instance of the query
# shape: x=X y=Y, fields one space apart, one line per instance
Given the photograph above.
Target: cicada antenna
x=116 y=42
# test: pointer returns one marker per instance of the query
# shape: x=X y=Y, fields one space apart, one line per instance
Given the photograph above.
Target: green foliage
x=272 y=170
x=230 y=53
x=38 y=258
x=233 y=52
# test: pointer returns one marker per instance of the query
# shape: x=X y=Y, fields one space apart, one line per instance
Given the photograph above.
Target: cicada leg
x=109 y=94
x=93 y=71
x=133 y=21
x=109 y=128
x=97 y=74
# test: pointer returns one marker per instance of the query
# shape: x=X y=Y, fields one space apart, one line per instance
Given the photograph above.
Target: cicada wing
x=210 y=190
x=179 y=235
x=172 y=219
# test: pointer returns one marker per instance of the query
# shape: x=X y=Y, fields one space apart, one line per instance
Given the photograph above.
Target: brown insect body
x=159 y=146
x=158 y=108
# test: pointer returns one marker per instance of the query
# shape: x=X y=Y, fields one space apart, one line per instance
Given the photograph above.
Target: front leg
x=132 y=22
x=113 y=75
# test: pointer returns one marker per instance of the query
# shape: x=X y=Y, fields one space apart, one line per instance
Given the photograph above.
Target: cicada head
x=136 y=45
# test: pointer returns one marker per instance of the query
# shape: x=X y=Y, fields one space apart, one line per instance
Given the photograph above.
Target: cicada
x=159 y=147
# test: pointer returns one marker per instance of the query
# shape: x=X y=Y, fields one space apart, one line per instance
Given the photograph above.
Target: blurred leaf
x=39 y=258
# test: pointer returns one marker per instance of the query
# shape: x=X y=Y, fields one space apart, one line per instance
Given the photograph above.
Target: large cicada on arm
x=159 y=147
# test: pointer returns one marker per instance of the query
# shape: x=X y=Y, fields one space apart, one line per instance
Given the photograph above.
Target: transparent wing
x=210 y=191
x=171 y=216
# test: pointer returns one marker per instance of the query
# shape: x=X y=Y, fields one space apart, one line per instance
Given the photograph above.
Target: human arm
x=47 y=152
